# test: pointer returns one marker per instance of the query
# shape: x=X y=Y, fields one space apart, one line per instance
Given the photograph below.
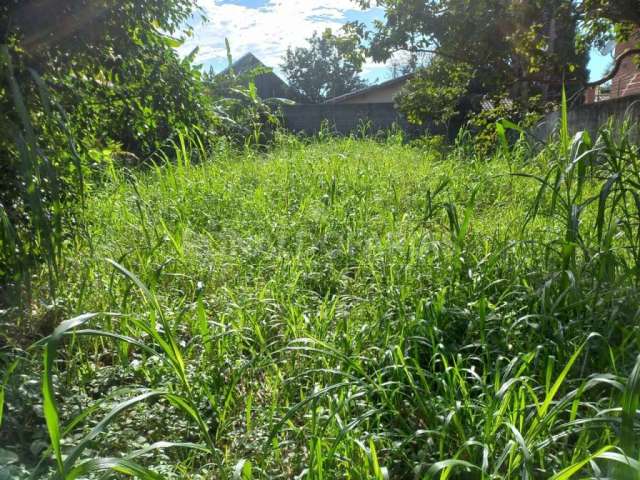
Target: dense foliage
x=481 y=50
x=344 y=308
x=327 y=68
x=523 y=51
x=606 y=18
x=110 y=64
x=246 y=118
x=83 y=83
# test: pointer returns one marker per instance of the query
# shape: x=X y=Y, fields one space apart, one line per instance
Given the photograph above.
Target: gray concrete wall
x=343 y=118
x=592 y=116
x=348 y=118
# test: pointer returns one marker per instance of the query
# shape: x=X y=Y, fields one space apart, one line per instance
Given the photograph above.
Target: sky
x=267 y=27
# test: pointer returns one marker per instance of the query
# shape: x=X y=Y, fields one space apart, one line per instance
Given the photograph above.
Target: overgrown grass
x=345 y=309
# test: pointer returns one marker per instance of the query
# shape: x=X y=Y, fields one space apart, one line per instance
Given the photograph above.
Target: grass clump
x=347 y=308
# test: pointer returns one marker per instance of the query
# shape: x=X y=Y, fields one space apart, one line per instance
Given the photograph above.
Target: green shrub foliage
x=80 y=78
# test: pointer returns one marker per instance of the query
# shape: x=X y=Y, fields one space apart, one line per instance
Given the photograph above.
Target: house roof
x=268 y=83
x=372 y=88
x=244 y=64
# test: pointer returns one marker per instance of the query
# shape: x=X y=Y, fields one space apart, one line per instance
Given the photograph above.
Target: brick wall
x=627 y=80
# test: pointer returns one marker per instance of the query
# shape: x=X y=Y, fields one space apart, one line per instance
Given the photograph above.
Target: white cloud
x=265 y=31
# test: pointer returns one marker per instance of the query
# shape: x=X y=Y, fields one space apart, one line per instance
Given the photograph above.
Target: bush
x=483 y=124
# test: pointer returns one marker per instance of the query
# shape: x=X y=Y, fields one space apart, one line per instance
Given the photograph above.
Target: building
x=627 y=80
x=597 y=94
x=384 y=92
x=268 y=84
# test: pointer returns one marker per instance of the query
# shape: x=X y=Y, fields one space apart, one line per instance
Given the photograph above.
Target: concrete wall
x=347 y=118
x=593 y=116
x=343 y=118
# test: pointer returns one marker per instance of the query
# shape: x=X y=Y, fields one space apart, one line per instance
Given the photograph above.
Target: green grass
x=345 y=309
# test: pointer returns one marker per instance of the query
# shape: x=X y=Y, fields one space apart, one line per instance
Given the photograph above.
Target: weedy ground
x=344 y=308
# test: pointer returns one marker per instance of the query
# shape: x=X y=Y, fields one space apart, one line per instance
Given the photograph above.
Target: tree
x=605 y=20
x=495 y=48
x=328 y=67
x=115 y=83
x=404 y=63
x=619 y=12
x=111 y=61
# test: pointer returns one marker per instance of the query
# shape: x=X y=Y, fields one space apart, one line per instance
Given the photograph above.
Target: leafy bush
x=243 y=116
x=435 y=93
x=109 y=87
x=484 y=124
x=139 y=105
x=113 y=68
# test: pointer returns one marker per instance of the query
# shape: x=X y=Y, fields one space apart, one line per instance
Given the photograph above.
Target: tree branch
x=618 y=63
x=616 y=67
x=557 y=81
x=455 y=58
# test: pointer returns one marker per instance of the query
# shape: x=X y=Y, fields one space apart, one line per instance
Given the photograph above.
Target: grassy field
x=344 y=309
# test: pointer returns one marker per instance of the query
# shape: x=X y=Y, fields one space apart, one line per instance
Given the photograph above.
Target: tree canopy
x=83 y=82
x=328 y=67
x=524 y=51
x=110 y=63
x=55 y=31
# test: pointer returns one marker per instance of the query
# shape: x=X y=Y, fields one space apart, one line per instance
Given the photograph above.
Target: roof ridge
x=369 y=88
x=247 y=56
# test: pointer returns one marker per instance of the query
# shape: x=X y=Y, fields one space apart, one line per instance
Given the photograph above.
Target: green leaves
x=447 y=467
x=5 y=380
x=570 y=471
x=434 y=93
x=48 y=393
x=242 y=470
x=74 y=454
x=630 y=404
x=465 y=53
x=116 y=465
x=246 y=118
x=552 y=392
x=123 y=87
x=604 y=453
x=168 y=342
x=173 y=353
x=327 y=68
x=71 y=467
x=50 y=409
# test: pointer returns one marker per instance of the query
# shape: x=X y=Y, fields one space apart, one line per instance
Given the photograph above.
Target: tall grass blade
x=630 y=403
x=121 y=466
x=448 y=466
x=48 y=393
x=571 y=470
x=75 y=453
x=5 y=380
